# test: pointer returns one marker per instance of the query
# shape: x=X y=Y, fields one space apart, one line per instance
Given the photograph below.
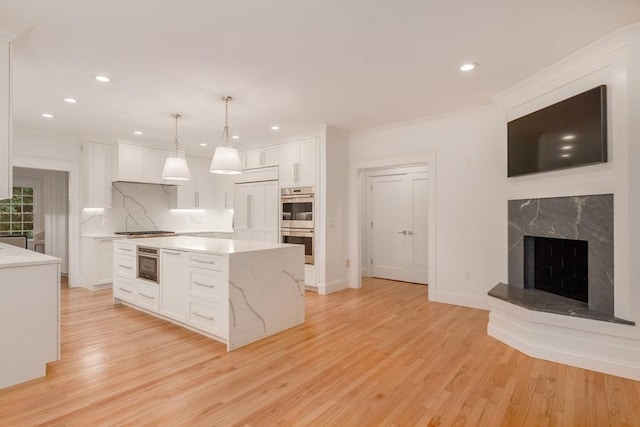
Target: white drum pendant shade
x=176 y=168
x=226 y=160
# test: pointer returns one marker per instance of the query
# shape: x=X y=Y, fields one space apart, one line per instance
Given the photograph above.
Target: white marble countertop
x=13 y=256
x=119 y=236
x=205 y=244
x=101 y=236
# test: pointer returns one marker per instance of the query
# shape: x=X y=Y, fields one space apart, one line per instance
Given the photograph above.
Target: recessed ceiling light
x=47 y=115
x=568 y=137
x=137 y=132
x=203 y=144
x=275 y=127
x=235 y=137
x=566 y=147
x=71 y=100
x=468 y=66
x=565 y=155
x=103 y=79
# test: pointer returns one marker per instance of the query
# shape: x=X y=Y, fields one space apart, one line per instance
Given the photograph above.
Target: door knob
x=402 y=232
x=410 y=233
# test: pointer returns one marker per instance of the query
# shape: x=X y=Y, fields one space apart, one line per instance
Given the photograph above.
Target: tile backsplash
x=141 y=207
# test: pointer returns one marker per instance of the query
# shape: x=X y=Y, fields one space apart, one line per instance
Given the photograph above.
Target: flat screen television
x=568 y=134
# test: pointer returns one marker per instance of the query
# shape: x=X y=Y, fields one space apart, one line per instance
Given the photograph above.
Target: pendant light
x=226 y=159
x=175 y=167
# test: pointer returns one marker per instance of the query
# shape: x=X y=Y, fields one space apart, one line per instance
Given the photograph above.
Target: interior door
x=398 y=226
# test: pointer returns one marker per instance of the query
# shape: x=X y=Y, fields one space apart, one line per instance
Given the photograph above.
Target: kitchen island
x=29 y=314
x=234 y=291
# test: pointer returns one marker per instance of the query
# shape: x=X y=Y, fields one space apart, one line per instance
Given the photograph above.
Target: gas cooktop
x=150 y=233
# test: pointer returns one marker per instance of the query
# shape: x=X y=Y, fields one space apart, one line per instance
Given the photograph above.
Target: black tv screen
x=568 y=134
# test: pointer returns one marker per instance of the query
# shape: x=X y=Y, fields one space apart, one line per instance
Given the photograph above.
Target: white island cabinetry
x=236 y=292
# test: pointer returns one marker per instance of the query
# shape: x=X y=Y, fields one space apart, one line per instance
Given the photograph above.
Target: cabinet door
x=105 y=260
x=271 y=156
x=307 y=162
x=174 y=284
x=130 y=158
x=223 y=191
x=271 y=212
x=241 y=211
x=153 y=165
x=253 y=159
x=186 y=190
x=205 y=184
x=288 y=161
x=96 y=175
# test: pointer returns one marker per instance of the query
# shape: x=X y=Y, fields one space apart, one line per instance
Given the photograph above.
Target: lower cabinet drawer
x=206 y=284
x=211 y=262
x=206 y=316
x=125 y=266
x=149 y=296
x=125 y=289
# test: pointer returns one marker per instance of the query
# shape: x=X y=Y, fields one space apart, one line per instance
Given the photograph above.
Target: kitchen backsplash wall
x=141 y=207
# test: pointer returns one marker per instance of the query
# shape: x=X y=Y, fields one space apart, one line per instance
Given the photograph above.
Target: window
x=16 y=214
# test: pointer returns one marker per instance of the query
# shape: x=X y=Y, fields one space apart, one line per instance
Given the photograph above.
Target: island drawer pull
x=146 y=296
x=195 y=313
x=125 y=250
x=204 y=262
x=172 y=253
x=203 y=284
x=125 y=290
x=125 y=266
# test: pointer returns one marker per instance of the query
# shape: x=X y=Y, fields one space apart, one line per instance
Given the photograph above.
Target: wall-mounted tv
x=568 y=134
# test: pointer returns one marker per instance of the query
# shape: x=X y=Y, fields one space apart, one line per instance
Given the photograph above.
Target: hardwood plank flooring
x=382 y=355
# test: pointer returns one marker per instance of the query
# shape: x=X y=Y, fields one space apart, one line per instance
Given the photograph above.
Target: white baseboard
x=335 y=286
x=584 y=343
x=465 y=300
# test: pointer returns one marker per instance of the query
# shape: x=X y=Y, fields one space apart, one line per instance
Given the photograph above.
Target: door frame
x=367 y=269
x=358 y=207
x=73 y=238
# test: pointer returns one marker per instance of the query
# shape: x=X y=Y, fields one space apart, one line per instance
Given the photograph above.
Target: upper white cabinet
x=6 y=171
x=205 y=190
x=139 y=164
x=260 y=158
x=96 y=175
x=298 y=163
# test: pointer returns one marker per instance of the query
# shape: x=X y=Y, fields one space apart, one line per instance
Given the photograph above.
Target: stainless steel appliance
x=300 y=236
x=297 y=207
x=148 y=264
x=140 y=234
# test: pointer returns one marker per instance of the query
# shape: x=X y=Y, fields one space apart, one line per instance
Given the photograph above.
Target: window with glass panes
x=16 y=214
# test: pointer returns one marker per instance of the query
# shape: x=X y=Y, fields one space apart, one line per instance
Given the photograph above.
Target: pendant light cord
x=176 y=116
x=225 y=132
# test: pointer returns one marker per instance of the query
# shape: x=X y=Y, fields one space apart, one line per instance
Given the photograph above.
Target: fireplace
x=586 y=219
x=559 y=266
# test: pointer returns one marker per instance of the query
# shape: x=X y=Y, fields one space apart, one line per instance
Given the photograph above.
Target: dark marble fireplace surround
x=587 y=218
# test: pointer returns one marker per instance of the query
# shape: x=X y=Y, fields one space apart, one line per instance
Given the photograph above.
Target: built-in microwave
x=148 y=264
x=297 y=207
x=299 y=236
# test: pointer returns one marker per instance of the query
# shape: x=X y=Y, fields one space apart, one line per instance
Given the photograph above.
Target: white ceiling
x=298 y=64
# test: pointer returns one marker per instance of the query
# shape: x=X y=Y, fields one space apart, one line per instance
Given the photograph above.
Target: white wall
x=470 y=195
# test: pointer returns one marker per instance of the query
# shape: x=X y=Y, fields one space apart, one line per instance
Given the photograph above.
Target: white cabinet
x=256 y=212
x=139 y=164
x=204 y=190
x=260 y=158
x=6 y=171
x=125 y=284
x=96 y=175
x=298 y=163
x=97 y=261
x=174 y=280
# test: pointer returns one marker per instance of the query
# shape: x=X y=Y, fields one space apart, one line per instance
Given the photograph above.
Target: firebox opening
x=559 y=266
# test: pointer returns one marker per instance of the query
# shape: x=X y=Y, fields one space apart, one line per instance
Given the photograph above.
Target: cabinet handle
x=225 y=200
x=262 y=156
x=195 y=313
x=204 y=284
x=125 y=267
x=125 y=250
x=171 y=253
x=296 y=172
x=204 y=262
x=196 y=195
x=125 y=290
x=146 y=296
x=249 y=211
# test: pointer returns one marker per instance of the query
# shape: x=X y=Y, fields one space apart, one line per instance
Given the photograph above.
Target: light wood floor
x=382 y=355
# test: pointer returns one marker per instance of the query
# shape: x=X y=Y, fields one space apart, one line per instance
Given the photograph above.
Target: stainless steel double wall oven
x=297 y=225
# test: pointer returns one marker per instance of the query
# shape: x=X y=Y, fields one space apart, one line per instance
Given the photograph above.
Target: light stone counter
x=13 y=256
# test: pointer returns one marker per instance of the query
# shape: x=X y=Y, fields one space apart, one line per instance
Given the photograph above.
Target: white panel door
x=174 y=284
x=398 y=229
